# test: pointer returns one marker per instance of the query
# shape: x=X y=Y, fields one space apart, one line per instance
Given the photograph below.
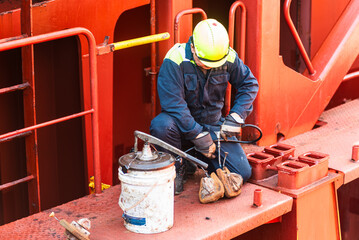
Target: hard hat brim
x=214 y=64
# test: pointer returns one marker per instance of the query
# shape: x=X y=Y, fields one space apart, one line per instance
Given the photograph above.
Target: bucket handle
x=139 y=201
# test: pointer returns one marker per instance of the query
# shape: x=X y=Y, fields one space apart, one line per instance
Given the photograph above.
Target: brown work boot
x=211 y=189
x=232 y=182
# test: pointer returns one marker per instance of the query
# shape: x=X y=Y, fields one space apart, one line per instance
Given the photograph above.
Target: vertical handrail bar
x=296 y=37
x=153 y=71
x=180 y=15
x=242 y=43
x=93 y=82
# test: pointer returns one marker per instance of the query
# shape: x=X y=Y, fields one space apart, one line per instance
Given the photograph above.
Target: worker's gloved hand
x=231 y=126
x=204 y=144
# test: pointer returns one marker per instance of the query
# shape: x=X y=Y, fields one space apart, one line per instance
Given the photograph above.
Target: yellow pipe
x=140 y=41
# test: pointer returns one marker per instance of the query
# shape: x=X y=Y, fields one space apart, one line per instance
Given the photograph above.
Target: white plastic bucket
x=147 y=199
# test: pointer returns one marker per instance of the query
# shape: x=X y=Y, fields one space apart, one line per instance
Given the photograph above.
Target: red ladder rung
x=21 y=86
x=19 y=135
x=16 y=182
x=12 y=38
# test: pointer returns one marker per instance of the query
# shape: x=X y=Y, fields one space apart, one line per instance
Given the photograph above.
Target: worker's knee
x=165 y=128
x=241 y=166
x=161 y=125
x=237 y=160
x=246 y=172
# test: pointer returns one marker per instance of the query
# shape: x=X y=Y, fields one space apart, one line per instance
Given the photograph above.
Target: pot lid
x=143 y=162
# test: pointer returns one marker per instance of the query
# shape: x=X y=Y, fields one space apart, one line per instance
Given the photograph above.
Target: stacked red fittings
x=264 y=163
x=307 y=168
x=293 y=172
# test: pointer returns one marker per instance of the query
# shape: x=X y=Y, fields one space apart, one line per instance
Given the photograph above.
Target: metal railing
x=242 y=44
x=181 y=14
x=93 y=89
x=296 y=37
x=351 y=75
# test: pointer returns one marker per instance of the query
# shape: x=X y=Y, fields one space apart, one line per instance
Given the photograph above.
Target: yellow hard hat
x=211 y=43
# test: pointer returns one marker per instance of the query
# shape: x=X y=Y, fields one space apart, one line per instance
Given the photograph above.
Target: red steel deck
x=223 y=219
x=335 y=138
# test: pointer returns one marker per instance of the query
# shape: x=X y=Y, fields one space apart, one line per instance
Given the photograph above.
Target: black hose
x=250 y=141
x=237 y=141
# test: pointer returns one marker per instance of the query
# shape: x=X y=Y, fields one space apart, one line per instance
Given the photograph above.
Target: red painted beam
x=289 y=103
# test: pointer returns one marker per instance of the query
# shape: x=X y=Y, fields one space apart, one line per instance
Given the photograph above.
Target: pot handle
x=151 y=139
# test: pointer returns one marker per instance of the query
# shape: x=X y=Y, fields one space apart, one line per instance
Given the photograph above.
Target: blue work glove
x=204 y=144
x=231 y=126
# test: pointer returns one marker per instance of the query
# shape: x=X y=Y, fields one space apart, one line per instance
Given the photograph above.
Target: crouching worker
x=192 y=83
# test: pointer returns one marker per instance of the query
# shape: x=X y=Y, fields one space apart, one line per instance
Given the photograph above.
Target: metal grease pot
x=147 y=189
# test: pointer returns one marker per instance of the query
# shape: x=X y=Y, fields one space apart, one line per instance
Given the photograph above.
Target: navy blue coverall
x=192 y=102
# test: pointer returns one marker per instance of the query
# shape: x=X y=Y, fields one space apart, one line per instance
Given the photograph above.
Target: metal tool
x=225 y=157
x=205 y=172
x=70 y=228
x=150 y=139
x=219 y=148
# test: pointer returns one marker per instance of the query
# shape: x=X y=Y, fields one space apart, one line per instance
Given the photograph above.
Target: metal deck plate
x=272 y=183
x=223 y=219
x=336 y=138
